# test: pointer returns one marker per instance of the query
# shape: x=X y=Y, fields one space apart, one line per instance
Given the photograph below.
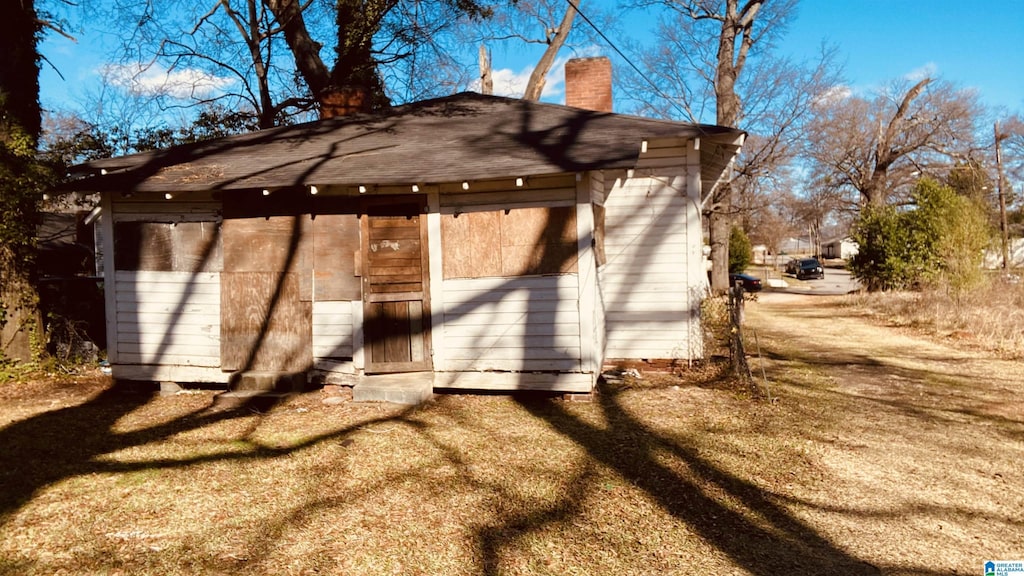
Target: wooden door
x=396 y=310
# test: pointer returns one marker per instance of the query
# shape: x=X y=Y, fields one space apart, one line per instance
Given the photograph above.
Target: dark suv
x=805 y=268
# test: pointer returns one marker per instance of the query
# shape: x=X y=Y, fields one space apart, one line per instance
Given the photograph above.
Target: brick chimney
x=344 y=102
x=588 y=83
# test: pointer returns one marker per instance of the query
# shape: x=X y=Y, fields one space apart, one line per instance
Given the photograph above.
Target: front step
x=259 y=391
x=408 y=388
x=259 y=381
x=254 y=400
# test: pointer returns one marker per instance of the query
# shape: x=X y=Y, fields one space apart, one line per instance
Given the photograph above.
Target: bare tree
x=774 y=223
x=556 y=38
x=875 y=148
x=268 y=56
x=1011 y=136
x=358 y=25
x=517 y=25
x=778 y=101
x=187 y=53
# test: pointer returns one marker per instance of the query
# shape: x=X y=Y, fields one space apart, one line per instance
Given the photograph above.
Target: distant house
x=994 y=256
x=493 y=242
x=759 y=253
x=842 y=247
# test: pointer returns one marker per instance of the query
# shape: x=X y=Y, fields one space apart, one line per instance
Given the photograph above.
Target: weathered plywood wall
x=335 y=257
x=514 y=242
x=266 y=294
x=164 y=247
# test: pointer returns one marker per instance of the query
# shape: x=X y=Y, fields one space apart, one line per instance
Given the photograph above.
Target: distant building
x=994 y=256
x=760 y=253
x=843 y=247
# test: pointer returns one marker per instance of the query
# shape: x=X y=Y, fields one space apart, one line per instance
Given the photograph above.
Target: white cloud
x=511 y=83
x=835 y=94
x=929 y=70
x=155 y=80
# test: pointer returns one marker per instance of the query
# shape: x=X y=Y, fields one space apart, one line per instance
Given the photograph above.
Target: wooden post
x=486 y=79
x=736 y=348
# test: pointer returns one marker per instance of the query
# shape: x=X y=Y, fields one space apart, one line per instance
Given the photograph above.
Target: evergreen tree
x=741 y=253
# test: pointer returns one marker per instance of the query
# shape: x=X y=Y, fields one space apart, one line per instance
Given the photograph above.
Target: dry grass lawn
x=883 y=453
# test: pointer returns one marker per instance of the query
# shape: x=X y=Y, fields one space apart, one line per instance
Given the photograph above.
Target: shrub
x=886 y=259
x=939 y=242
x=740 y=251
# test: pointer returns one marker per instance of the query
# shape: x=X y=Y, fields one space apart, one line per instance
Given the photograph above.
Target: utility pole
x=1003 y=227
x=486 y=79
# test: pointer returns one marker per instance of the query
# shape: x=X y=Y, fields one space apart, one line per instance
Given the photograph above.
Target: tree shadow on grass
x=757 y=533
x=56 y=445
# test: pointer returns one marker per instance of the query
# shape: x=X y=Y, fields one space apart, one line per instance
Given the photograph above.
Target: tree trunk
x=737 y=24
x=20 y=179
x=19 y=69
x=535 y=87
x=355 y=66
x=358 y=22
x=718 y=237
x=305 y=50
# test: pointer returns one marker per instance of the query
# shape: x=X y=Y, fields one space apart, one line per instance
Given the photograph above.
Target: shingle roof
x=465 y=136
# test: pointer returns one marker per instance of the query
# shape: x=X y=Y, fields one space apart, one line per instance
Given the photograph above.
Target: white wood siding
x=168 y=318
x=334 y=337
x=332 y=329
x=511 y=324
x=154 y=207
x=648 y=283
x=543 y=191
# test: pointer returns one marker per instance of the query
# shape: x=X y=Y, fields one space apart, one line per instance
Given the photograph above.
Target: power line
x=635 y=68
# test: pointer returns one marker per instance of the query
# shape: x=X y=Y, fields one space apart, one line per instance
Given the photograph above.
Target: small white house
x=843 y=248
x=494 y=242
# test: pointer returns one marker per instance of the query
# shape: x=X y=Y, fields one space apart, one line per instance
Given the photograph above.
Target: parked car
x=805 y=268
x=750 y=283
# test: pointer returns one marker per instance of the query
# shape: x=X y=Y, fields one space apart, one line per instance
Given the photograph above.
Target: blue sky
x=978 y=45
x=974 y=44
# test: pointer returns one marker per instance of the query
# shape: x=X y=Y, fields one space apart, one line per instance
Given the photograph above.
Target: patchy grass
x=892 y=457
x=990 y=317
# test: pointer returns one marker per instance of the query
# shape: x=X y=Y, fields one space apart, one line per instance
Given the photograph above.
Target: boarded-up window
x=163 y=247
x=335 y=251
x=520 y=242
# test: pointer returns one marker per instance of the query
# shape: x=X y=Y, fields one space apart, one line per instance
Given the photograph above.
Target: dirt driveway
x=919 y=443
